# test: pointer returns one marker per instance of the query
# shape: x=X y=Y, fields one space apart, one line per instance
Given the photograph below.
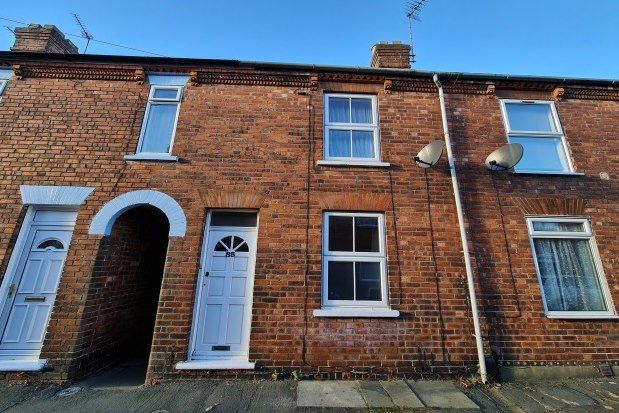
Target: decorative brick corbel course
x=558 y=93
x=140 y=76
x=491 y=91
x=412 y=85
x=214 y=198
x=313 y=82
x=592 y=94
x=74 y=72
x=17 y=71
x=352 y=78
x=354 y=202
x=194 y=78
x=551 y=206
x=256 y=79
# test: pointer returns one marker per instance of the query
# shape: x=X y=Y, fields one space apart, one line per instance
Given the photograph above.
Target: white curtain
x=339 y=143
x=361 y=110
x=159 y=128
x=346 y=110
x=569 y=276
x=339 y=110
x=362 y=144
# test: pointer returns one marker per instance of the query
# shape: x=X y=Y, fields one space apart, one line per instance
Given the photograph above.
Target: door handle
x=11 y=291
x=206 y=273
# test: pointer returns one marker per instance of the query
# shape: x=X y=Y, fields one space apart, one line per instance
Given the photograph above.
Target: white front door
x=226 y=283
x=32 y=282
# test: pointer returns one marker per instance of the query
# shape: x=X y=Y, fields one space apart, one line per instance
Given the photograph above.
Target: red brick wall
x=264 y=139
x=518 y=330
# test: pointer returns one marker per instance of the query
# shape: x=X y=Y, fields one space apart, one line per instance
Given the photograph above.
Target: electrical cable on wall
x=509 y=256
x=397 y=240
x=82 y=37
x=310 y=153
x=436 y=273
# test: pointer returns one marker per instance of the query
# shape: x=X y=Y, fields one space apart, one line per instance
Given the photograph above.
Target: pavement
x=570 y=396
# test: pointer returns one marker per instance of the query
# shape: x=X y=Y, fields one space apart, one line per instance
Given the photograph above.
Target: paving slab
x=489 y=399
x=13 y=395
x=231 y=396
x=441 y=394
x=606 y=392
x=565 y=395
x=374 y=394
x=401 y=394
x=273 y=396
x=545 y=398
x=329 y=394
x=518 y=395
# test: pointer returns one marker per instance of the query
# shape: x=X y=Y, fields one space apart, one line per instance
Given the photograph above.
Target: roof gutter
x=463 y=237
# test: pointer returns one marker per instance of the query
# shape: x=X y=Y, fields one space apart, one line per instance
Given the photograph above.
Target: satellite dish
x=430 y=154
x=506 y=157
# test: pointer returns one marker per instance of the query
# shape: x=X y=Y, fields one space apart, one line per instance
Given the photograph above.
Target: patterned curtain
x=568 y=275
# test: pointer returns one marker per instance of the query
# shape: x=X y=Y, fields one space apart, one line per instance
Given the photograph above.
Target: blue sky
x=572 y=38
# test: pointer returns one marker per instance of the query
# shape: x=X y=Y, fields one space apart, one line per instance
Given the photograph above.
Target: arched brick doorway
x=124 y=292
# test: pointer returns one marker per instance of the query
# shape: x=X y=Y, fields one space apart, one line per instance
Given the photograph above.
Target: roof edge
x=12 y=57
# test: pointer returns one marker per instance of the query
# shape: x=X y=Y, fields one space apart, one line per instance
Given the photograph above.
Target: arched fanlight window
x=232 y=243
x=51 y=244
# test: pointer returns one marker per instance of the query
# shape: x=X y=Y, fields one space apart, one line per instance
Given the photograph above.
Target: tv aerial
x=430 y=154
x=504 y=158
x=413 y=8
x=85 y=33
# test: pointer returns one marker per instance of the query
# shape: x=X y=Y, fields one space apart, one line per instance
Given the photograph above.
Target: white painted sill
x=364 y=164
x=548 y=173
x=582 y=317
x=215 y=365
x=162 y=157
x=22 y=365
x=357 y=312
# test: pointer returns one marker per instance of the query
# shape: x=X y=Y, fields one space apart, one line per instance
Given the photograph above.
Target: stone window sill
x=582 y=317
x=160 y=157
x=22 y=365
x=215 y=365
x=548 y=173
x=357 y=312
x=353 y=163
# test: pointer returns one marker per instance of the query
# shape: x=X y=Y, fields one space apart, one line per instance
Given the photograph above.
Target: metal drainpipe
x=465 y=244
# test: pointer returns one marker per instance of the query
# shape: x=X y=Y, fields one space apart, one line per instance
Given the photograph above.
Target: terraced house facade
x=222 y=218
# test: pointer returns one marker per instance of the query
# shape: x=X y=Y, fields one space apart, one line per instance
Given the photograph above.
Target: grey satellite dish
x=430 y=154
x=506 y=157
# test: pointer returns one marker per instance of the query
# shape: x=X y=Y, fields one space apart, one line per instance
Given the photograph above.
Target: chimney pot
x=43 y=39
x=393 y=55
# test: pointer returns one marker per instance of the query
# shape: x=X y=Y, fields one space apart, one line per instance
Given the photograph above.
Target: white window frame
x=372 y=127
x=586 y=234
x=380 y=257
x=536 y=134
x=3 y=83
x=160 y=101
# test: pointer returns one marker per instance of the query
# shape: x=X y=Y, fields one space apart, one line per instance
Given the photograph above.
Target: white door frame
x=10 y=275
x=192 y=363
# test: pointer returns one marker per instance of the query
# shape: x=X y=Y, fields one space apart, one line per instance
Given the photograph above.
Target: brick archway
x=103 y=221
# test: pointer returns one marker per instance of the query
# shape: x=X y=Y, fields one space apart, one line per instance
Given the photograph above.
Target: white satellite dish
x=506 y=157
x=430 y=154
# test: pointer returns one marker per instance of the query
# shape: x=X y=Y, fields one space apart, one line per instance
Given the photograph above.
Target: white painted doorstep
x=22 y=365
x=215 y=365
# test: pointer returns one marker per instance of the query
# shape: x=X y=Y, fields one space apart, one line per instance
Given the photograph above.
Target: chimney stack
x=394 y=55
x=43 y=39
